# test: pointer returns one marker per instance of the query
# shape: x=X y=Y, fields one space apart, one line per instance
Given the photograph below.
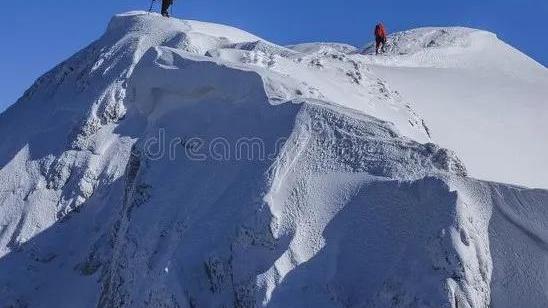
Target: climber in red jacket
x=380 y=37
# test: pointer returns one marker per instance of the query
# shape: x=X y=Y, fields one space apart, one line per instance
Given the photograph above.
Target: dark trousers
x=165 y=7
x=380 y=43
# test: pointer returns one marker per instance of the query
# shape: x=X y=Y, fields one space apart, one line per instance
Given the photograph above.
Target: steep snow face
x=186 y=164
x=480 y=97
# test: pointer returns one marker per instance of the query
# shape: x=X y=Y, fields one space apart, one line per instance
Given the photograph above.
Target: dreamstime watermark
x=161 y=147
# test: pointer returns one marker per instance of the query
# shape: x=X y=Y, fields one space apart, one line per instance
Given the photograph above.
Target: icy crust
x=354 y=208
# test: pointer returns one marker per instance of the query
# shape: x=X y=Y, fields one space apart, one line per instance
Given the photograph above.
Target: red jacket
x=380 y=31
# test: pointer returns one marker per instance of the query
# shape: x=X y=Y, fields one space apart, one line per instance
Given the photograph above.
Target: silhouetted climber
x=380 y=37
x=165 y=7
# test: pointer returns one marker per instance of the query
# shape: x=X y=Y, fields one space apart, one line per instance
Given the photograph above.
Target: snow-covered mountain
x=186 y=164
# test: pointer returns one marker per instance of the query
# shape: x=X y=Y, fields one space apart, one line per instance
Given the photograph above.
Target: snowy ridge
x=454 y=47
x=356 y=207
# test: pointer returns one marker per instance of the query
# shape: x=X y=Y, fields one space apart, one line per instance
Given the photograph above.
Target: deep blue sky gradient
x=35 y=35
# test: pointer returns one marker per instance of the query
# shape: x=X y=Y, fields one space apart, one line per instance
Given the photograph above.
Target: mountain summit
x=186 y=164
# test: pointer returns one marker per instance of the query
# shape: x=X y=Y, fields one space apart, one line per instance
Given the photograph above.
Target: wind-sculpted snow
x=184 y=164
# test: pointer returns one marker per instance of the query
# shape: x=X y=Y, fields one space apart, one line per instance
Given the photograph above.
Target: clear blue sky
x=38 y=34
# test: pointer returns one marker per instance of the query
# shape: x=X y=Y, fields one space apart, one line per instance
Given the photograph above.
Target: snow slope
x=482 y=98
x=185 y=164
